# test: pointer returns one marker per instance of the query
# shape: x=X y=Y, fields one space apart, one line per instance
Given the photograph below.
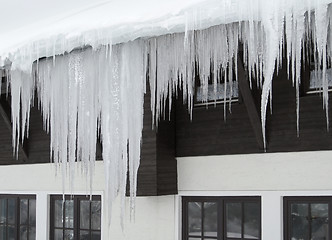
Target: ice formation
x=97 y=90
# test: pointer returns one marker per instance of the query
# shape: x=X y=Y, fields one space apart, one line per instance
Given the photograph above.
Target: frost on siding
x=100 y=91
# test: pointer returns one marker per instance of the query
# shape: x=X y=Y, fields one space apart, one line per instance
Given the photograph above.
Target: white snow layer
x=99 y=90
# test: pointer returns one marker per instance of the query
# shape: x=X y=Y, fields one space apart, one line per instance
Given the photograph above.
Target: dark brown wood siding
x=209 y=134
x=157 y=174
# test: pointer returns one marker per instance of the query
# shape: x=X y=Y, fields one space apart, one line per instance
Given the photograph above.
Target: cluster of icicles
x=92 y=94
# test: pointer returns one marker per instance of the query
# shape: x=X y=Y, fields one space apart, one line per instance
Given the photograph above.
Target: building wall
x=154 y=215
x=270 y=176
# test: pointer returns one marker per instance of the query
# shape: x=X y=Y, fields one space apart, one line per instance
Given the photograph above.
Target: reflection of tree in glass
x=11 y=211
x=194 y=218
x=24 y=211
x=319 y=221
x=84 y=214
x=251 y=220
x=300 y=226
x=69 y=235
x=95 y=215
x=210 y=219
x=69 y=213
x=3 y=209
x=234 y=219
x=32 y=211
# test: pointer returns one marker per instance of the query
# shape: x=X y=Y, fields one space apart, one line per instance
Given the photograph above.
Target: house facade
x=190 y=170
x=236 y=141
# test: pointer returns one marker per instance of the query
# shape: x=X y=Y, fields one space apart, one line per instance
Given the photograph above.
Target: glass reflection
x=24 y=211
x=32 y=233
x=3 y=211
x=319 y=221
x=95 y=236
x=84 y=214
x=23 y=233
x=194 y=218
x=84 y=235
x=32 y=212
x=210 y=219
x=299 y=221
x=11 y=233
x=69 y=214
x=11 y=211
x=251 y=220
x=69 y=235
x=58 y=234
x=58 y=218
x=95 y=215
x=234 y=220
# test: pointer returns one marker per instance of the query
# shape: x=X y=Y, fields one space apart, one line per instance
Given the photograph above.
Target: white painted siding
x=271 y=176
x=155 y=216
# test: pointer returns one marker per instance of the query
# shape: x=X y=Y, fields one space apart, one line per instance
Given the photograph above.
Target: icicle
x=321 y=27
x=99 y=91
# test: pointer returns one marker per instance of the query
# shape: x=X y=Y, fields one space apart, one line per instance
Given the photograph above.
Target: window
x=221 y=218
x=307 y=218
x=17 y=217
x=216 y=94
x=75 y=218
x=315 y=82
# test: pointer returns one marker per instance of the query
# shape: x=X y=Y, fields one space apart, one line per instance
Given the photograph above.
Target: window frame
x=17 y=224
x=221 y=215
x=76 y=214
x=287 y=201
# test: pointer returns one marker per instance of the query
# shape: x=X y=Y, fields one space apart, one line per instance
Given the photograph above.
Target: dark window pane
x=58 y=213
x=32 y=212
x=84 y=214
x=32 y=233
x=95 y=236
x=11 y=233
x=210 y=219
x=69 y=235
x=84 y=235
x=24 y=211
x=251 y=220
x=3 y=210
x=299 y=221
x=11 y=211
x=2 y=232
x=96 y=215
x=194 y=218
x=58 y=234
x=23 y=233
x=233 y=220
x=319 y=223
x=69 y=213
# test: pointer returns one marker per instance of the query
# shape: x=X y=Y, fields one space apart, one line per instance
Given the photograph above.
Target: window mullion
x=220 y=232
x=6 y=230
x=28 y=219
x=63 y=216
x=17 y=216
x=309 y=220
x=76 y=218
x=202 y=221
x=329 y=219
x=225 y=219
x=242 y=220
x=90 y=216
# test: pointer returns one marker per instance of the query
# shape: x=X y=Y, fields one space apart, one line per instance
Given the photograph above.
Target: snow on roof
x=44 y=28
